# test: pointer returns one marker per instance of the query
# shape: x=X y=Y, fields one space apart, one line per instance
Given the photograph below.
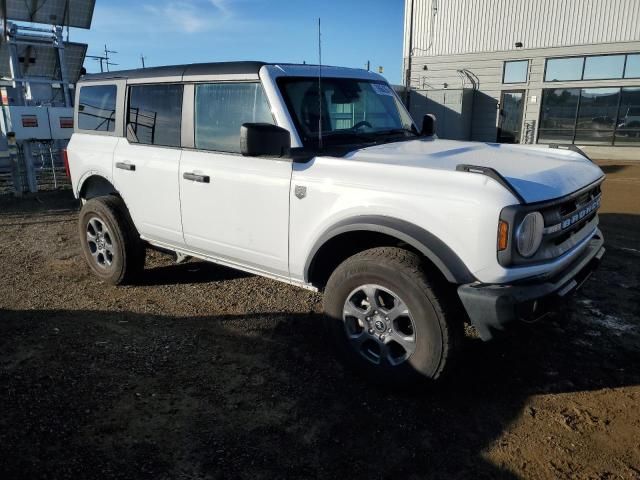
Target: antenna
x=320 y=84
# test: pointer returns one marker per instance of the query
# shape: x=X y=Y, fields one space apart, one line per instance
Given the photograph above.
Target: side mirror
x=428 y=125
x=264 y=140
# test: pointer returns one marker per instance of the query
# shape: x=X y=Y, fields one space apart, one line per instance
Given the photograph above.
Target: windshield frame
x=360 y=139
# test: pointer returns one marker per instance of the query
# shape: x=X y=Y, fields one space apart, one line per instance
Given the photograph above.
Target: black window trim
x=504 y=69
x=584 y=63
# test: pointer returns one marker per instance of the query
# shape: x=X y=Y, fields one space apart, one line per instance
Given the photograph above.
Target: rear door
x=147 y=160
x=234 y=208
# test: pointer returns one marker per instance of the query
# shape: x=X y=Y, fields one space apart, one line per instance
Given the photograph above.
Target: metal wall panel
x=474 y=26
x=430 y=76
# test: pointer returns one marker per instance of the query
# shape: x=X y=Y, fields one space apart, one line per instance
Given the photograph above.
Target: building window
x=563 y=69
x=594 y=67
x=97 y=108
x=516 y=71
x=603 y=67
x=632 y=68
x=222 y=108
x=628 y=126
x=558 y=115
x=590 y=116
x=155 y=114
x=597 y=114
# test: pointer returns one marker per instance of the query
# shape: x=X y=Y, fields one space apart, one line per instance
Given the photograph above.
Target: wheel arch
x=353 y=235
x=95 y=185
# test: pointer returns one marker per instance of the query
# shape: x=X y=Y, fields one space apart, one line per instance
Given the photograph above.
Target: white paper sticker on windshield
x=382 y=89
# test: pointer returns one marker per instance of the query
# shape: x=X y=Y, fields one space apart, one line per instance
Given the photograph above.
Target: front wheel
x=387 y=319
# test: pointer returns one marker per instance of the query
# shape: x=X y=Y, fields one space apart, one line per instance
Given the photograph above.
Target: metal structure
x=68 y=13
x=518 y=59
x=38 y=71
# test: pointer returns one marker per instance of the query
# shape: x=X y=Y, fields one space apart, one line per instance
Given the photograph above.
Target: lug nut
x=381 y=337
x=389 y=330
x=370 y=331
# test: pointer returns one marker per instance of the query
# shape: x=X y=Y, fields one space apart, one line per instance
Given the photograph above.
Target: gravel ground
x=199 y=371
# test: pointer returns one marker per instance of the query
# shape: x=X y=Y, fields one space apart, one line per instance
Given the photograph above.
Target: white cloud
x=190 y=16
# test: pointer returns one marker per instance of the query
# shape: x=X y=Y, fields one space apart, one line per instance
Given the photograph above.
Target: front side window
x=222 y=108
x=515 y=72
x=155 y=114
x=352 y=111
x=563 y=69
x=97 y=108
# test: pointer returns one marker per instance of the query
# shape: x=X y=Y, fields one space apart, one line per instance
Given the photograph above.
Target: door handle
x=126 y=166
x=194 y=177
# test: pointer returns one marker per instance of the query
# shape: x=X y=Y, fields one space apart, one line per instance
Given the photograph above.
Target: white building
x=528 y=71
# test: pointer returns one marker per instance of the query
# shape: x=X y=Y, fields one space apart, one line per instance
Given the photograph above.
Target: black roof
x=221 y=68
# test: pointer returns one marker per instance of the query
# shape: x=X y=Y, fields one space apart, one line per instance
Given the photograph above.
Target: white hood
x=536 y=173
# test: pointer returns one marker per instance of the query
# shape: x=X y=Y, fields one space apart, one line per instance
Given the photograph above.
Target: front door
x=234 y=208
x=510 y=120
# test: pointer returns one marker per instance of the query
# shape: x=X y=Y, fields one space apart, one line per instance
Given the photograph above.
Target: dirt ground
x=202 y=372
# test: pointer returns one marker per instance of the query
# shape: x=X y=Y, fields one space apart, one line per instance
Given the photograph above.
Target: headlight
x=529 y=234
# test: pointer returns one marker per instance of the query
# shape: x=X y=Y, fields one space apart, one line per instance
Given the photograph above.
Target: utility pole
x=368 y=65
x=142 y=59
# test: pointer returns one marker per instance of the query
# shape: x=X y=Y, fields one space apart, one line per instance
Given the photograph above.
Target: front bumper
x=490 y=307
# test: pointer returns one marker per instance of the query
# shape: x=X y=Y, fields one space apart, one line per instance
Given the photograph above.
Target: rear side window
x=97 y=108
x=155 y=114
x=222 y=108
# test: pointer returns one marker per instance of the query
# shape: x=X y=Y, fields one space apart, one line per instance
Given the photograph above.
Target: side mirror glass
x=264 y=140
x=428 y=125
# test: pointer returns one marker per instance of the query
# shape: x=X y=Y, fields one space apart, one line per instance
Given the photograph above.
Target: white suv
x=248 y=165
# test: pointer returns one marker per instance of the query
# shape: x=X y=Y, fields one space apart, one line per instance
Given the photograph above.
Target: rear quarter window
x=97 y=108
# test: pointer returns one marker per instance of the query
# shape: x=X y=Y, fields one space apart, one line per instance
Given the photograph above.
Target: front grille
x=568 y=221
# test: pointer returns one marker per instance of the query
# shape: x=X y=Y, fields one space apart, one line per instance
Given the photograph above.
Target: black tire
x=437 y=324
x=115 y=258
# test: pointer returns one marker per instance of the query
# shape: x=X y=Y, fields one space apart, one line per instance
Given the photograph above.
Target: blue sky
x=186 y=31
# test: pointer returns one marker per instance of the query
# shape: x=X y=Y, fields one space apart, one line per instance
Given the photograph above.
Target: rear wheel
x=110 y=243
x=387 y=319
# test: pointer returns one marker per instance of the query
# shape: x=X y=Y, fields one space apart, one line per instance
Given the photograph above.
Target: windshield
x=353 y=111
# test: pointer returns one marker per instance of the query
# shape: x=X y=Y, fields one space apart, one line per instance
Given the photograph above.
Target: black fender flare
x=443 y=257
